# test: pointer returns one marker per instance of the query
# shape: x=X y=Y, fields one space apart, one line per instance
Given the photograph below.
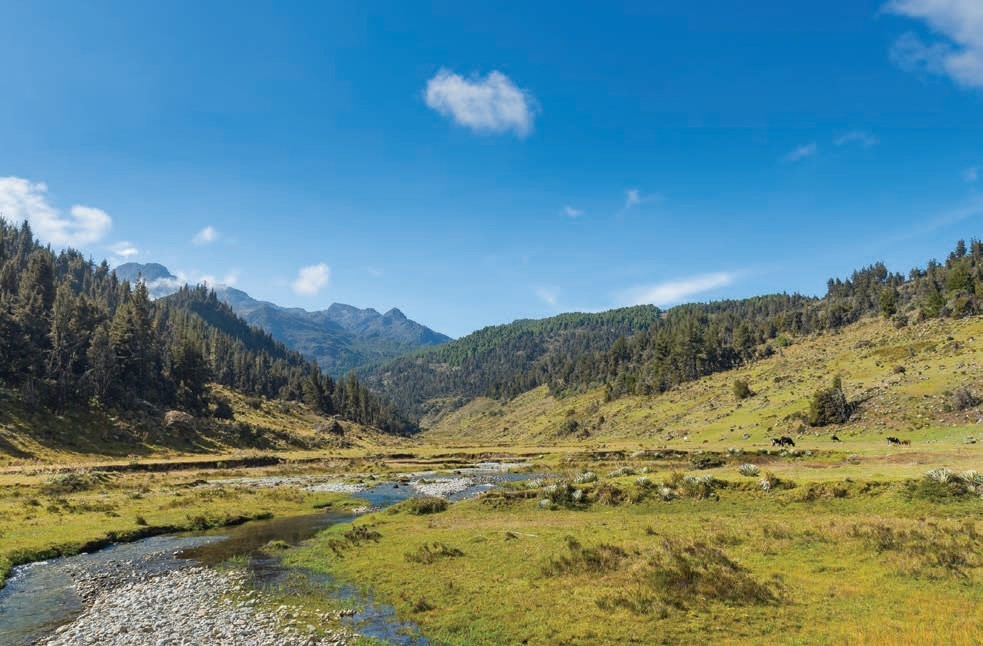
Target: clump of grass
x=427 y=554
x=699 y=487
x=598 y=559
x=421 y=506
x=930 y=551
x=750 y=470
x=695 y=573
x=943 y=485
x=769 y=482
x=585 y=478
x=622 y=471
x=276 y=545
x=361 y=533
x=561 y=494
x=707 y=461
x=73 y=482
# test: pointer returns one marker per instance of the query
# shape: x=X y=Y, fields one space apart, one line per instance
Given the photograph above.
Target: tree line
x=72 y=334
x=643 y=350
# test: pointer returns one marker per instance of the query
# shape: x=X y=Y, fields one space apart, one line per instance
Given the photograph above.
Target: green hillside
x=902 y=382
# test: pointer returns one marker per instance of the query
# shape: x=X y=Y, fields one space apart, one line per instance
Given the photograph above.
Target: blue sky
x=473 y=163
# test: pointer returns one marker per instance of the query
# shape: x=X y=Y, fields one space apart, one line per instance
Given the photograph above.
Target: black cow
x=893 y=440
x=782 y=441
x=836 y=439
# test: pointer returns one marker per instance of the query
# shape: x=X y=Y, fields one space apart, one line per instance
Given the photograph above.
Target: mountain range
x=340 y=338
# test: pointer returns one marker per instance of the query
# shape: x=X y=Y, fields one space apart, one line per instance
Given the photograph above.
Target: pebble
x=193 y=605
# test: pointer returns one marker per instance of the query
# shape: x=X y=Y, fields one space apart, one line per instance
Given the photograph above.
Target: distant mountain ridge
x=340 y=338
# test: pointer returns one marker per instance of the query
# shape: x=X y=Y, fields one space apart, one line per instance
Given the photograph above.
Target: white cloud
x=801 y=152
x=124 y=249
x=970 y=175
x=959 y=54
x=632 y=198
x=571 y=212
x=377 y=272
x=865 y=139
x=311 y=280
x=675 y=291
x=491 y=104
x=21 y=199
x=205 y=236
x=548 y=295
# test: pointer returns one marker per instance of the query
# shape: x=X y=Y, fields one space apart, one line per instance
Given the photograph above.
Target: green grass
x=43 y=515
x=872 y=565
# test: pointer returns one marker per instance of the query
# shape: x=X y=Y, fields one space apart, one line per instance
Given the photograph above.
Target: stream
x=41 y=597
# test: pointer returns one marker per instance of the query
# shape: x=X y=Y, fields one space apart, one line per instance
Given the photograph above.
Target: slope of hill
x=340 y=338
x=501 y=360
x=902 y=382
x=641 y=351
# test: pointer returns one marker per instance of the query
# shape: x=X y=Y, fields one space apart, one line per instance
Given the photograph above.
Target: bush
x=707 y=461
x=223 y=410
x=741 y=389
x=585 y=478
x=829 y=406
x=963 y=399
x=421 y=506
x=623 y=471
x=749 y=470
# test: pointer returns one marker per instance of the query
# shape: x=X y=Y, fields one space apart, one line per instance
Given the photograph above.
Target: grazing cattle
x=836 y=439
x=782 y=441
x=905 y=442
x=893 y=440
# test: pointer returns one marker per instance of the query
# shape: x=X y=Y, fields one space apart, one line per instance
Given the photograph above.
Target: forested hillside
x=73 y=335
x=640 y=350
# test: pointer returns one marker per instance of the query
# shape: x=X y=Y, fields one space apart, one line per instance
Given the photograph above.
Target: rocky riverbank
x=191 y=605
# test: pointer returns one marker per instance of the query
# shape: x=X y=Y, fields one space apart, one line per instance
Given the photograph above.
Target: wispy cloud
x=675 y=291
x=377 y=272
x=124 y=249
x=633 y=197
x=571 y=212
x=206 y=236
x=860 y=137
x=958 y=54
x=311 y=280
x=801 y=152
x=21 y=199
x=970 y=175
x=548 y=295
x=493 y=104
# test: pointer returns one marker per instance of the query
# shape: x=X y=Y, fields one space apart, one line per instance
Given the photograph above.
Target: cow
x=905 y=442
x=893 y=440
x=836 y=439
x=782 y=441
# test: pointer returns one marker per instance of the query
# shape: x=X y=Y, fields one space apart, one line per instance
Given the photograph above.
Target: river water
x=40 y=597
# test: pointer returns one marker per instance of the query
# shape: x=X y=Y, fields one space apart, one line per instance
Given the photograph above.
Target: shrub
x=741 y=389
x=421 y=506
x=707 y=461
x=223 y=410
x=749 y=470
x=561 y=494
x=829 y=406
x=585 y=478
x=73 y=482
x=623 y=471
x=962 y=398
x=701 y=487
